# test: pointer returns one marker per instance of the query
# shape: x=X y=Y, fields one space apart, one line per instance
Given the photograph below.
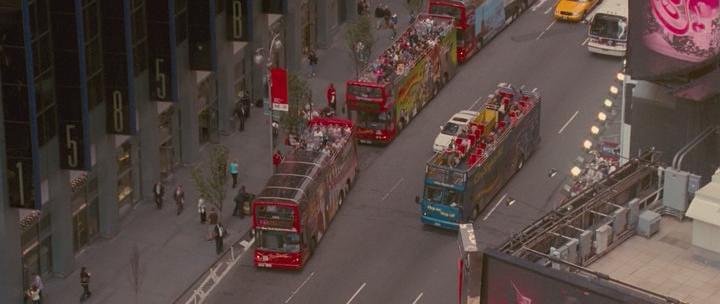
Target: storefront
x=85 y=209
x=168 y=157
x=125 y=165
x=36 y=244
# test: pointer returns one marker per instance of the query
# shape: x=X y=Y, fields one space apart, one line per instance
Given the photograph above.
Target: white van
x=608 y=30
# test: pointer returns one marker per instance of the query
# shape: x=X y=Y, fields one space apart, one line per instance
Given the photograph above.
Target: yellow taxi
x=573 y=10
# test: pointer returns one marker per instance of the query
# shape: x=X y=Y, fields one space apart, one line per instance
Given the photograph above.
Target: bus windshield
x=274 y=212
x=375 y=121
x=443 y=196
x=445 y=10
x=364 y=92
x=609 y=26
x=282 y=241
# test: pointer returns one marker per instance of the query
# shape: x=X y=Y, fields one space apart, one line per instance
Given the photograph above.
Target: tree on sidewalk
x=299 y=94
x=360 y=40
x=210 y=182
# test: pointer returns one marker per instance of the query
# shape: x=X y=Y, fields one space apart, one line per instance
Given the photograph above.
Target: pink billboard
x=672 y=36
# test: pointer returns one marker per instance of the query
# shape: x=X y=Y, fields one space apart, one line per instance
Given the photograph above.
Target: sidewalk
x=173 y=249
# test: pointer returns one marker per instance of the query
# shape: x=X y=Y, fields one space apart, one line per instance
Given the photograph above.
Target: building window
x=181 y=21
x=93 y=53
x=43 y=71
x=125 y=182
x=139 y=37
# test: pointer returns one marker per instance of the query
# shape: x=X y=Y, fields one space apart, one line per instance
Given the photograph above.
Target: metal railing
x=203 y=285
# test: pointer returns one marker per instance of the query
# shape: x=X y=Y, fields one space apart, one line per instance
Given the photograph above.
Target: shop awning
x=700 y=89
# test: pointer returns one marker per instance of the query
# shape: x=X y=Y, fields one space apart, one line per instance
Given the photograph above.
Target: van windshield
x=609 y=27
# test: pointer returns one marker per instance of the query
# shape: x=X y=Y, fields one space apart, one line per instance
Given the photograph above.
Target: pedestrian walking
x=412 y=17
x=331 y=97
x=179 y=196
x=85 y=283
x=159 y=192
x=313 y=61
x=393 y=25
x=219 y=235
x=245 y=101
x=277 y=159
x=386 y=16
x=240 y=115
x=33 y=294
x=202 y=211
x=234 y=172
x=37 y=281
x=240 y=198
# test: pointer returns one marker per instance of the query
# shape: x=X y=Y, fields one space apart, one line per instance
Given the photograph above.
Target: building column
x=259 y=39
x=186 y=108
x=11 y=286
x=148 y=138
x=61 y=209
x=224 y=75
x=106 y=170
x=293 y=44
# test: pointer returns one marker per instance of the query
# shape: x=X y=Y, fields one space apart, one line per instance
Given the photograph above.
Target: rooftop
x=664 y=264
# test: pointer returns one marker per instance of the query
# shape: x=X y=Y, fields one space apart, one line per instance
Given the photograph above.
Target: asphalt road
x=376 y=250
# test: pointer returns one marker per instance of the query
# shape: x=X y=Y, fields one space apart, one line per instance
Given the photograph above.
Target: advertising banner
x=278 y=89
x=670 y=37
x=511 y=280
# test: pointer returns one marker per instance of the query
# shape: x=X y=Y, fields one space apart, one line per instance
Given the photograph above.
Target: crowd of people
x=400 y=57
x=594 y=170
x=321 y=138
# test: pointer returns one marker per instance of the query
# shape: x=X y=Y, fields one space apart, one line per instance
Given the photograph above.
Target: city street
x=377 y=250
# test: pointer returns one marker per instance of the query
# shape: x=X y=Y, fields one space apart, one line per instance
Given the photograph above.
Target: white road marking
x=549 y=9
x=538 y=5
x=496 y=205
x=585 y=41
x=393 y=188
x=356 y=293
x=546 y=29
x=475 y=103
x=418 y=298
x=568 y=122
x=298 y=289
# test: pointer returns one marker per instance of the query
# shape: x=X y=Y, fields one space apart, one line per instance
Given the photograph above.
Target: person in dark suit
x=219 y=235
x=159 y=193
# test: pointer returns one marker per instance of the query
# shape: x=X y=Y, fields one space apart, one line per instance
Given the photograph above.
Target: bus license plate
x=363 y=141
x=267 y=265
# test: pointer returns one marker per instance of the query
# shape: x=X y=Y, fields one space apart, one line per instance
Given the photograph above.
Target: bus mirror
x=417 y=199
x=441 y=127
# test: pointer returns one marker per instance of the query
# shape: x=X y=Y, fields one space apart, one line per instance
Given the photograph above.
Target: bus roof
x=466 y=3
x=611 y=7
x=428 y=30
x=440 y=167
x=317 y=147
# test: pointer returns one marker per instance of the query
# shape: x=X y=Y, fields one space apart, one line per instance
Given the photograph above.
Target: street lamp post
x=266 y=55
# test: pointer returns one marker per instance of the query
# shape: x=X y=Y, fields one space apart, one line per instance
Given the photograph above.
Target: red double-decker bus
x=292 y=213
x=396 y=86
x=478 y=21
